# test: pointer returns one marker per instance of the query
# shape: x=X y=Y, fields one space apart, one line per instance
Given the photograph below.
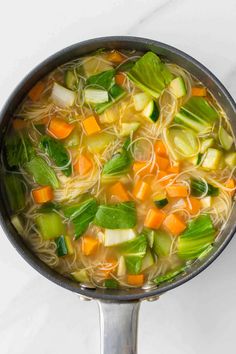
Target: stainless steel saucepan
x=118 y=308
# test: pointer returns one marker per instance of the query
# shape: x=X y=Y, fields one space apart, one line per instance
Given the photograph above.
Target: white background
x=37 y=316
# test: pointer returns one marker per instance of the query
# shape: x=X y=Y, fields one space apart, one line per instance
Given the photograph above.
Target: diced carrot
x=107 y=267
x=42 y=194
x=174 y=168
x=135 y=279
x=115 y=56
x=141 y=190
x=193 y=206
x=174 y=224
x=177 y=191
x=19 y=124
x=163 y=174
x=89 y=245
x=199 y=91
x=160 y=149
x=154 y=218
x=230 y=183
x=59 y=129
x=35 y=93
x=119 y=191
x=143 y=168
x=83 y=165
x=120 y=79
x=91 y=125
x=162 y=162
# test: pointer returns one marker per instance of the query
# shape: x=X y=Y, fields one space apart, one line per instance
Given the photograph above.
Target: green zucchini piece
x=141 y=100
x=70 y=80
x=160 y=200
x=111 y=284
x=177 y=86
x=64 y=246
x=80 y=276
x=61 y=246
x=128 y=128
x=212 y=159
x=151 y=111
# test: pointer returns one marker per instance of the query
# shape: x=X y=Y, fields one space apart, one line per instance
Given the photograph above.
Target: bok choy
x=150 y=74
x=199 y=234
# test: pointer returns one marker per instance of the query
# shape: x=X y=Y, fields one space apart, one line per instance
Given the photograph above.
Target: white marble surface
x=37 y=316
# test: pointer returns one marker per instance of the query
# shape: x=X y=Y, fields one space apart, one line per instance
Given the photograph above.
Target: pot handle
x=118 y=324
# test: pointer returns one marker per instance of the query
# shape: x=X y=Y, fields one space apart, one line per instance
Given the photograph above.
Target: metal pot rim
x=38 y=72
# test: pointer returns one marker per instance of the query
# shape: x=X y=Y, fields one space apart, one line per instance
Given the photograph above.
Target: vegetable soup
x=119 y=170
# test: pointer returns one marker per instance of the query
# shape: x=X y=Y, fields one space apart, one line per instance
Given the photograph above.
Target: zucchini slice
x=151 y=111
x=177 y=86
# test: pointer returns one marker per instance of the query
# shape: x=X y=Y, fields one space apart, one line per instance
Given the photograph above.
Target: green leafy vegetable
x=168 y=276
x=42 y=173
x=104 y=80
x=120 y=162
x=150 y=74
x=199 y=188
x=15 y=192
x=116 y=216
x=81 y=215
x=57 y=152
x=197 y=114
x=111 y=284
x=199 y=234
x=19 y=150
x=134 y=252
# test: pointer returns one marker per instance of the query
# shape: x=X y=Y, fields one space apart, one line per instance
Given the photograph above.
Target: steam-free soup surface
x=119 y=170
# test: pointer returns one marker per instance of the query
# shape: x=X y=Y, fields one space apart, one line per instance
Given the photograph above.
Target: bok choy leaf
x=81 y=215
x=57 y=152
x=150 y=74
x=199 y=234
x=116 y=216
x=119 y=163
x=134 y=252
